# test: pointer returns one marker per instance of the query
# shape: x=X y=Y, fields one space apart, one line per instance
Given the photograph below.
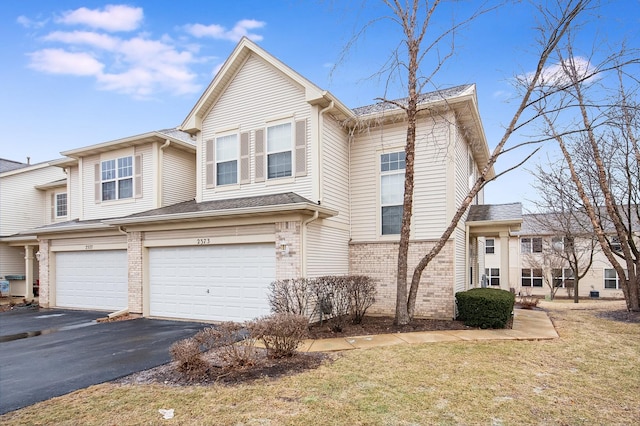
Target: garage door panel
x=92 y=279
x=219 y=283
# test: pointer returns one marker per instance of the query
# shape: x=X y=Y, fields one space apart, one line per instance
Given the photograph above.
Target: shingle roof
x=494 y=212
x=178 y=134
x=423 y=99
x=9 y=165
x=235 y=203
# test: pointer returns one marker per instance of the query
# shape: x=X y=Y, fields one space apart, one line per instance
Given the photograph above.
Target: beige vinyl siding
x=430 y=177
x=226 y=231
x=179 y=176
x=11 y=260
x=23 y=206
x=335 y=170
x=258 y=93
x=327 y=250
x=73 y=197
x=83 y=241
x=461 y=171
x=460 y=255
x=117 y=208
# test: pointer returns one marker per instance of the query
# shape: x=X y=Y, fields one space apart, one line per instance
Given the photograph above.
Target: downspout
x=304 y=242
x=160 y=172
x=122 y=230
x=320 y=157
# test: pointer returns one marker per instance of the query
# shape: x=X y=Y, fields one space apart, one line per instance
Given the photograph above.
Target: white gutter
x=304 y=242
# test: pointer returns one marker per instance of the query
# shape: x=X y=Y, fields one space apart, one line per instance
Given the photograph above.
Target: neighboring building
x=31 y=195
x=268 y=177
x=534 y=265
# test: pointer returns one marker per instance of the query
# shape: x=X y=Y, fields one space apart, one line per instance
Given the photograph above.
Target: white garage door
x=92 y=279
x=218 y=283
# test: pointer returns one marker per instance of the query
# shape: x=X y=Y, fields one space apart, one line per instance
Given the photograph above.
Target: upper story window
x=117 y=178
x=279 y=151
x=616 y=245
x=531 y=245
x=227 y=160
x=562 y=243
x=392 y=168
x=61 y=205
x=489 y=246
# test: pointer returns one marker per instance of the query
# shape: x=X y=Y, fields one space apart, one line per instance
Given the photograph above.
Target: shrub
x=528 y=301
x=280 y=333
x=187 y=354
x=293 y=296
x=334 y=300
x=235 y=346
x=485 y=307
x=362 y=291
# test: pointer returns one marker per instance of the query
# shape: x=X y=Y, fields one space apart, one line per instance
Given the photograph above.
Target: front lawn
x=590 y=375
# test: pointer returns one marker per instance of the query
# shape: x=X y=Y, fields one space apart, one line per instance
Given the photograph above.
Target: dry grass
x=590 y=375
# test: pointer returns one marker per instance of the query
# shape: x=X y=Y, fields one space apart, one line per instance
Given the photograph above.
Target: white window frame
x=56 y=207
x=117 y=177
x=617 y=279
x=528 y=245
x=290 y=149
x=489 y=248
x=565 y=275
x=492 y=274
x=531 y=278
x=236 y=158
x=383 y=175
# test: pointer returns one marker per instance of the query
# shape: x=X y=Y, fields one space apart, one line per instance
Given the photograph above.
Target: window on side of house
x=392 y=166
x=226 y=160
x=531 y=245
x=616 y=245
x=489 y=246
x=562 y=277
x=493 y=276
x=61 y=204
x=611 y=279
x=279 y=151
x=117 y=178
x=531 y=277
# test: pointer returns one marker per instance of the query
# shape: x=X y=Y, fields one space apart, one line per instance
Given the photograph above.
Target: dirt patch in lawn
x=621 y=315
x=265 y=367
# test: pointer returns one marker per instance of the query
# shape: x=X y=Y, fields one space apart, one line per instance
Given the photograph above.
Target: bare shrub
x=294 y=296
x=281 y=333
x=334 y=299
x=187 y=354
x=362 y=292
x=235 y=346
x=528 y=301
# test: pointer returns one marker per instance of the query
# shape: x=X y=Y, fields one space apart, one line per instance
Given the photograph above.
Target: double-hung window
x=227 y=160
x=611 y=279
x=61 y=204
x=489 y=246
x=562 y=277
x=532 y=277
x=493 y=276
x=392 y=168
x=531 y=245
x=279 y=151
x=117 y=178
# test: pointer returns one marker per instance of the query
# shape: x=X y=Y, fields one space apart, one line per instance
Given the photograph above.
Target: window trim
x=56 y=205
x=560 y=279
x=530 y=244
x=487 y=246
x=531 y=278
x=217 y=161
x=617 y=279
x=488 y=272
x=291 y=149
x=381 y=174
x=117 y=179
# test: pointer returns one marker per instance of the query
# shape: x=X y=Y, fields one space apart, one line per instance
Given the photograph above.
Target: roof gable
x=244 y=49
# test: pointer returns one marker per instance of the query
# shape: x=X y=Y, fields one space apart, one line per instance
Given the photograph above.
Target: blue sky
x=76 y=73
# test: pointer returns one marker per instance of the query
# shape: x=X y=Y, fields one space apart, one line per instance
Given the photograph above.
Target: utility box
x=594 y=294
x=4 y=288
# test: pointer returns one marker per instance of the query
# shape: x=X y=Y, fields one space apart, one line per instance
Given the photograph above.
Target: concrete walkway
x=527 y=325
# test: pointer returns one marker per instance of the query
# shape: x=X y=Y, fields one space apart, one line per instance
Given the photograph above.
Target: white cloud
x=102 y=41
x=111 y=18
x=58 y=61
x=241 y=29
x=555 y=74
x=29 y=23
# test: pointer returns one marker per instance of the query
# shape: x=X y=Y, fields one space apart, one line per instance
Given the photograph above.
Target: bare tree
x=416 y=19
x=600 y=147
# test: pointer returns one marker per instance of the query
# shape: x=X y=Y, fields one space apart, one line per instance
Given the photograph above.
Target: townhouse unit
x=268 y=177
x=538 y=262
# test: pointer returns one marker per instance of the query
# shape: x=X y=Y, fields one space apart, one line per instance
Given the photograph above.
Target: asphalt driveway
x=52 y=352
